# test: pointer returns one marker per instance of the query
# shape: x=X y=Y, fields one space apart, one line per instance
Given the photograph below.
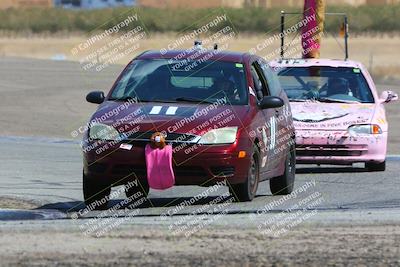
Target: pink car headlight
x=364 y=129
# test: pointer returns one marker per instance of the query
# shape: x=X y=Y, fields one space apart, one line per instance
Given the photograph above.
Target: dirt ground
x=17 y=203
x=375 y=52
x=137 y=245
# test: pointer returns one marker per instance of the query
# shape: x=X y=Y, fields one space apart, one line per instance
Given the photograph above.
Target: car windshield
x=168 y=80
x=325 y=84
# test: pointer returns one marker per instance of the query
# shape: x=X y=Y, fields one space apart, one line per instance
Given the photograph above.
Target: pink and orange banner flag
x=314 y=14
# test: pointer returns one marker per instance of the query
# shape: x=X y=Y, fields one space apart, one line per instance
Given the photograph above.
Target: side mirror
x=95 y=97
x=388 y=96
x=271 y=102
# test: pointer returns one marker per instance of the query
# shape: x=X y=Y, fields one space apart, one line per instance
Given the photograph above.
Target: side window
x=259 y=81
x=272 y=80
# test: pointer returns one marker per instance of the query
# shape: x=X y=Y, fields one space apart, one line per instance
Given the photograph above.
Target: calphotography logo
x=303 y=205
x=112 y=45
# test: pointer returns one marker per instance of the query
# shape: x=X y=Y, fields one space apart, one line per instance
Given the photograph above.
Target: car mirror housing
x=95 y=97
x=388 y=96
x=271 y=102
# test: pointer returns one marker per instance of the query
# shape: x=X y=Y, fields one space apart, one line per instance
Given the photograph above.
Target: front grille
x=223 y=170
x=330 y=150
x=124 y=169
x=189 y=171
x=171 y=137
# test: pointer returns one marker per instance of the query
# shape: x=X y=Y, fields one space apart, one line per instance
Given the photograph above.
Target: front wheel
x=283 y=185
x=247 y=191
x=95 y=193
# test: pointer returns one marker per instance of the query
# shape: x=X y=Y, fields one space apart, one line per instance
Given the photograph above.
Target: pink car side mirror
x=388 y=96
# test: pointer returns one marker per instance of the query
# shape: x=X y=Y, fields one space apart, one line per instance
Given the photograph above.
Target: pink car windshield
x=325 y=84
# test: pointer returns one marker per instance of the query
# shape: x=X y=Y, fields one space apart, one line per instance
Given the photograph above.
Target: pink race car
x=338 y=116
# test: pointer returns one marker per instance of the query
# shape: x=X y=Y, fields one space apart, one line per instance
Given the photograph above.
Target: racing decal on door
x=265 y=142
x=272 y=127
x=271 y=143
x=251 y=91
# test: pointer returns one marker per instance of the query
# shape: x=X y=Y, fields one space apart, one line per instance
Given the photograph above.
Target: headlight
x=103 y=132
x=364 y=129
x=225 y=135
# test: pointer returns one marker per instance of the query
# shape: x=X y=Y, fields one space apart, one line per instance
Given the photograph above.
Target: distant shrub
x=254 y=20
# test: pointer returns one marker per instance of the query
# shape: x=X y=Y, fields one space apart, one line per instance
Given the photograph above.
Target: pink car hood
x=330 y=116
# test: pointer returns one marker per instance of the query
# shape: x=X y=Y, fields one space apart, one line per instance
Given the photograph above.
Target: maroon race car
x=224 y=113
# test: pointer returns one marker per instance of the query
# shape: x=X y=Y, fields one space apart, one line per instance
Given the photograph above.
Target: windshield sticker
x=356 y=70
x=239 y=65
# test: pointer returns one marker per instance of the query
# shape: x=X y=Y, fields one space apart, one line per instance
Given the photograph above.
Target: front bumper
x=193 y=165
x=338 y=147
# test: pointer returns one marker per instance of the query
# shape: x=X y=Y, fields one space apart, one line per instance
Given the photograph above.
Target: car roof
x=221 y=55
x=309 y=62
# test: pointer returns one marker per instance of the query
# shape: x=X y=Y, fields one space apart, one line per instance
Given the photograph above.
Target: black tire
x=376 y=166
x=247 y=191
x=143 y=187
x=95 y=193
x=284 y=184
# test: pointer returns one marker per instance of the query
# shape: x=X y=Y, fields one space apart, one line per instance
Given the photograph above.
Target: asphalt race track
x=46 y=98
x=48 y=171
x=337 y=216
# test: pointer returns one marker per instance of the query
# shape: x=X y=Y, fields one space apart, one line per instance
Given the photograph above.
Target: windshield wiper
x=158 y=100
x=126 y=98
x=194 y=100
x=142 y=100
x=298 y=100
x=332 y=100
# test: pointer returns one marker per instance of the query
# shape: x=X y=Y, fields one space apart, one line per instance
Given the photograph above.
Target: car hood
x=330 y=116
x=170 y=117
